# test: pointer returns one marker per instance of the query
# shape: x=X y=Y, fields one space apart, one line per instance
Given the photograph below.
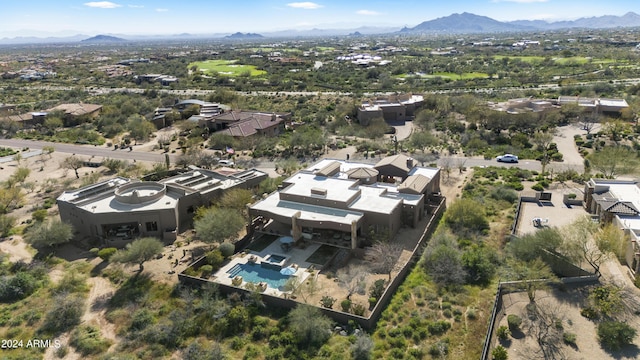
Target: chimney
x=273 y=117
x=410 y=163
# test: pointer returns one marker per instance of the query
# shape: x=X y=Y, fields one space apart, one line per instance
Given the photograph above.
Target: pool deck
x=296 y=256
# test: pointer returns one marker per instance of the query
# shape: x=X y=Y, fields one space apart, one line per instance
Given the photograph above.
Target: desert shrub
x=206 y=270
x=472 y=314
x=106 y=253
x=438 y=327
x=361 y=348
x=499 y=353
x=504 y=194
x=614 y=335
x=141 y=319
x=377 y=288
x=18 y=286
x=215 y=258
x=327 y=301
x=65 y=313
x=440 y=349
x=569 y=338
x=503 y=333
x=590 y=313
x=514 y=322
x=358 y=309
x=72 y=282
x=537 y=187
x=87 y=340
x=227 y=249
x=345 y=305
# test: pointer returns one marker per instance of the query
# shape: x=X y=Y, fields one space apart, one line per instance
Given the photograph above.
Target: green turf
x=226 y=67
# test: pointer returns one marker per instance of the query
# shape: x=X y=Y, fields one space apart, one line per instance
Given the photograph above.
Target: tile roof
x=399 y=161
x=414 y=184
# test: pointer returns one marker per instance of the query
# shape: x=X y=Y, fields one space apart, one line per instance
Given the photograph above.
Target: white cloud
x=305 y=5
x=162 y=10
x=102 y=4
x=368 y=12
x=136 y=6
x=521 y=1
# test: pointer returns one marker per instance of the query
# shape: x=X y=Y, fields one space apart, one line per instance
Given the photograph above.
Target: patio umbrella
x=286 y=240
x=288 y=271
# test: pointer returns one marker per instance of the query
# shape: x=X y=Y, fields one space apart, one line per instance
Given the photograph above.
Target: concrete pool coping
x=295 y=256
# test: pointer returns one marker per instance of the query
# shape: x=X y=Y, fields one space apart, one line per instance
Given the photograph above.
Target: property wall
x=338 y=316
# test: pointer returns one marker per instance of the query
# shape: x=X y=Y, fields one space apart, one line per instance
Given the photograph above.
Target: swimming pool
x=255 y=273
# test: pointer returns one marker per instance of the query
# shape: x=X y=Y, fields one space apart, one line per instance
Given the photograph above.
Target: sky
x=161 y=17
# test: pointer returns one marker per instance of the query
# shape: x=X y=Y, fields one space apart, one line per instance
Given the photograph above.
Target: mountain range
x=464 y=23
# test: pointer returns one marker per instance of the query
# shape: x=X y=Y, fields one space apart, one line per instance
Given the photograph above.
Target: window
x=152 y=226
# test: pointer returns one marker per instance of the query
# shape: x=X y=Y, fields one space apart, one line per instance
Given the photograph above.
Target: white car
x=510 y=158
x=226 y=162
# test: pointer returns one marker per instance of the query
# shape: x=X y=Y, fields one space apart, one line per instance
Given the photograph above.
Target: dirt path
x=17 y=249
x=101 y=291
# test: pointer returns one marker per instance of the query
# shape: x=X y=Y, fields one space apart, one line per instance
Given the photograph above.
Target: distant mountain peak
x=240 y=36
x=103 y=39
x=471 y=23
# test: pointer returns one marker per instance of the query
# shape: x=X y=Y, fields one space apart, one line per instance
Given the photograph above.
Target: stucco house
x=348 y=200
x=618 y=202
x=122 y=209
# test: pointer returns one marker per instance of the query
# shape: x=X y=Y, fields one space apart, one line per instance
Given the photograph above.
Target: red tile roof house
x=246 y=123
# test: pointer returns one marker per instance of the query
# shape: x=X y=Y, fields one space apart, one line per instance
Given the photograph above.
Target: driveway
x=566 y=145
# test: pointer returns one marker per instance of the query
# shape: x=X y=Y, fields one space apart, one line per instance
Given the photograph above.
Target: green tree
x=613 y=161
x=72 y=163
x=139 y=252
x=220 y=141
x=10 y=198
x=49 y=234
x=236 y=199
x=423 y=139
x=114 y=165
x=309 y=325
x=362 y=347
x=543 y=141
x=479 y=262
x=578 y=243
x=529 y=246
x=215 y=225
x=20 y=174
x=7 y=223
x=140 y=128
x=466 y=215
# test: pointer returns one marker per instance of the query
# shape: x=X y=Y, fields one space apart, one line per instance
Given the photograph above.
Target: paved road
x=88 y=150
x=268 y=166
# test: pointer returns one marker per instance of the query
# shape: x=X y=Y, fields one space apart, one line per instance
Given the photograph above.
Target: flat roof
x=111 y=205
x=424 y=171
x=273 y=205
x=338 y=190
x=375 y=199
x=202 y=180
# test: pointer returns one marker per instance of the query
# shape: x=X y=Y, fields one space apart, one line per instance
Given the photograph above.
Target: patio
x=294 y=258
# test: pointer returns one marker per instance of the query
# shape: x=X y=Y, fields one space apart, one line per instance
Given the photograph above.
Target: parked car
x=510 y=158
x=226 y=162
